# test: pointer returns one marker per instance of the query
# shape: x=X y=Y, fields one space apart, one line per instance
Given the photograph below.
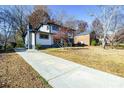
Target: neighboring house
x=45 y=35
x=84 y=38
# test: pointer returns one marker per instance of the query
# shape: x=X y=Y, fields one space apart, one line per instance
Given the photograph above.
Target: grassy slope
x=109 y=60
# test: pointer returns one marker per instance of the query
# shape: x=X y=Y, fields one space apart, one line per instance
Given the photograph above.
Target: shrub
x=81 y=44
x=13 y=44
x=120 y=46
x=1 y=46
x=93 y=42
x=20 y=44
x=65 y=44
x=38 y=46
x=9 y=47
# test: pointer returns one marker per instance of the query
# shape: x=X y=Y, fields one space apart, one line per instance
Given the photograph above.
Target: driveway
x=61 y=73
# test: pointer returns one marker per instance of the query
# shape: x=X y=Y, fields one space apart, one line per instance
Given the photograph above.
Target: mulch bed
x=16 y=73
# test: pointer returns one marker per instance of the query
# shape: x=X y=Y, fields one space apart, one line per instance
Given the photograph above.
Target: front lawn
x=108 y=60
x=15 y=72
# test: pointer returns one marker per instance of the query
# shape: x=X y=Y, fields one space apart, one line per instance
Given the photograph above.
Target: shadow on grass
x=7 y=51
x=76 y=48
x=64 y=48
x=20 y=49
x=13 y=50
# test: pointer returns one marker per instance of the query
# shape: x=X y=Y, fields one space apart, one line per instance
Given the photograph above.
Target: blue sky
x=81 y=12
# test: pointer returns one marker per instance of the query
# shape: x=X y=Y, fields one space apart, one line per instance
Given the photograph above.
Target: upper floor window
x=55 y=27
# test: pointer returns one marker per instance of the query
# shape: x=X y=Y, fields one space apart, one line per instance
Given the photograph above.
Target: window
x=54 y=27
x=44 y=36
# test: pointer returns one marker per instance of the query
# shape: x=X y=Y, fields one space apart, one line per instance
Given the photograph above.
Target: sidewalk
x=62 y=73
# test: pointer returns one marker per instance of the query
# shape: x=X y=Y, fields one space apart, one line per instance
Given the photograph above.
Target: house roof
x=83 y=33
x=58 y=24
x=54 y=23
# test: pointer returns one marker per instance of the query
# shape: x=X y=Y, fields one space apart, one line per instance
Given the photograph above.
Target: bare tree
x=20 y=19
x=62 y=18
x=119 y=37
x=111 y=19
x=97 y=28
x=15 y=19
x=39 y=15
x=78 y=25
x=71 y=22
x=6 y=26
x=82 y=25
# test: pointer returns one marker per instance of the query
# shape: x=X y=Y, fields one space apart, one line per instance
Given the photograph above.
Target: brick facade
x=82 y=38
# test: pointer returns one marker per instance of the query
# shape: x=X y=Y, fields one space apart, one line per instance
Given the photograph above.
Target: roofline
x=53 y=24
x=61 y=26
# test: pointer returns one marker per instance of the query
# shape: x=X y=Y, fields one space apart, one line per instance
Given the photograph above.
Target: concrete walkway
x=62 y=73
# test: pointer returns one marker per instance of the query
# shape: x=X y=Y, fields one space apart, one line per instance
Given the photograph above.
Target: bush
x=1 y=46
x=9 y=47
x=20 y=44
x=38 y=46
x=65 y=44
x=13 y=44
x=120 y=46
x=93 y=42
x=81 y=44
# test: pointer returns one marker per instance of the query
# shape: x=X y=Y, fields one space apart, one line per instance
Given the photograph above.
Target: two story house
x=48 y=34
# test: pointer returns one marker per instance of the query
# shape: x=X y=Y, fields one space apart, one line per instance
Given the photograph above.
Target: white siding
x=33 y=40
x=44 y=28
x=28 y=40
x=48 y=29
x=44 y=41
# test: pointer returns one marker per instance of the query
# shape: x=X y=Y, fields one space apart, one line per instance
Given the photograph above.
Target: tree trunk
x=15 y=38
x=104 y=40
x=23 y=38
x=112 y=44
x=104 y=43
x=5 y=45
